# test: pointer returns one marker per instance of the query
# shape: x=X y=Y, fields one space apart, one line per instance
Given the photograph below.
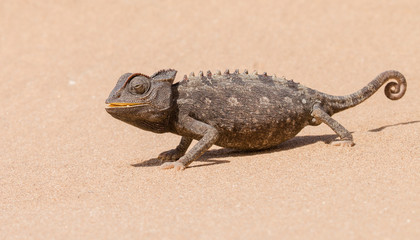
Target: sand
x=68 y=170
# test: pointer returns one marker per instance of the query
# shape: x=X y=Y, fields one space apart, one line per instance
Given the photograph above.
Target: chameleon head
x=142 y=100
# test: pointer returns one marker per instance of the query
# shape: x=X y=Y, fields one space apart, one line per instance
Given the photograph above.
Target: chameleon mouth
x=123 y=105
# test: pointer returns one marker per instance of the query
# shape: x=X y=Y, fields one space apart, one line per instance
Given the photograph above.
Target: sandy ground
x=68 y=170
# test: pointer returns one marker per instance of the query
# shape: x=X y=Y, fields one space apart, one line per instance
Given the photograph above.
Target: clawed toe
x=170 y=155
x=343 y=143
x=176 y=165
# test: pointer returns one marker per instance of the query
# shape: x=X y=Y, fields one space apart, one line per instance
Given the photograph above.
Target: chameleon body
x=232 y=110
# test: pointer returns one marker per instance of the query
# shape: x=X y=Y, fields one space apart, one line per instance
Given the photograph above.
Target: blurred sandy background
x=68 y=170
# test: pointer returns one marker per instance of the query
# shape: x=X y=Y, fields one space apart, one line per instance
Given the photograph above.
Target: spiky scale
x=226 y=72
x=246 y=71
x=236 y=71
x=192 y=74
x=208 y=74
x=254 y=73
x=200 y=74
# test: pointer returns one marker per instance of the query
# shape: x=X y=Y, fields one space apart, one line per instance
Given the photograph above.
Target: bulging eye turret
x=139 y=85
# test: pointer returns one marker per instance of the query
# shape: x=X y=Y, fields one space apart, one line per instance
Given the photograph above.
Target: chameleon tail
x=393 y=90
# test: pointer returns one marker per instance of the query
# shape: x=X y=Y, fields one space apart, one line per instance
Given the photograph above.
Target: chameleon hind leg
x=346 y=139
x=178 y=152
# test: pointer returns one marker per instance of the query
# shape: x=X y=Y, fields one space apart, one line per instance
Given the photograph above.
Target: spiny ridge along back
x=227 y=72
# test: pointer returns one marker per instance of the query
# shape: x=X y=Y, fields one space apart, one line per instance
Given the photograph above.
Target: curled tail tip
x=394 y=90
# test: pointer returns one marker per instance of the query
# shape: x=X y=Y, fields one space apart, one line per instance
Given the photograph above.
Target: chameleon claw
x=175 y=165
x=170 y=155
x=342 y=143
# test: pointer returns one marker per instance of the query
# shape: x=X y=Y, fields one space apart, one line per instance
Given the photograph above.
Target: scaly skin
x=233 y=110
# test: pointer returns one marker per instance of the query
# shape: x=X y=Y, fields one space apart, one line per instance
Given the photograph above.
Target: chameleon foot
x=170 y=155
x=343 y=143
x=176 y=165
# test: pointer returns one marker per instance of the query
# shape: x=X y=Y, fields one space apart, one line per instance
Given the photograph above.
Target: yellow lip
x=123 y=104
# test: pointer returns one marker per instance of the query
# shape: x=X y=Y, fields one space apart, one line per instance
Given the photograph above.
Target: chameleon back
x=249 y=111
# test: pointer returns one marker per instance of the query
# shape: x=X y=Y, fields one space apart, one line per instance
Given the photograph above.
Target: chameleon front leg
x=178 y=152
x=193 y=127
x=346 y=139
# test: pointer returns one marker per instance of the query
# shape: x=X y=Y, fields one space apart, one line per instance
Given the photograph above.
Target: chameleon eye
x=139 y=85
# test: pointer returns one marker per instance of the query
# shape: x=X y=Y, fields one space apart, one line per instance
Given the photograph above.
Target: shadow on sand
x=208 y=158
x=392 y=125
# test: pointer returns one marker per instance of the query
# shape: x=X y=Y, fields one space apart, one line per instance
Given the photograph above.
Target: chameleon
x=246 y=111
